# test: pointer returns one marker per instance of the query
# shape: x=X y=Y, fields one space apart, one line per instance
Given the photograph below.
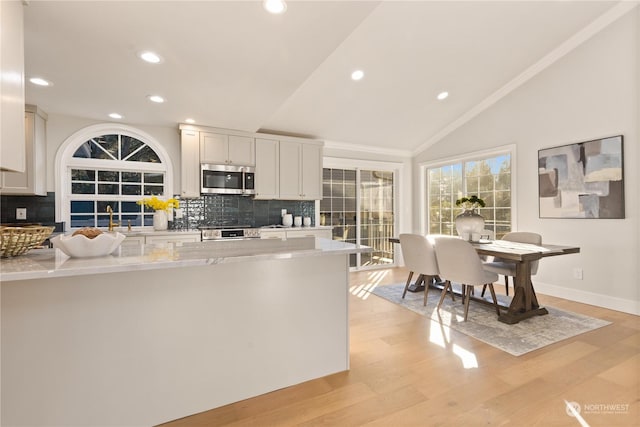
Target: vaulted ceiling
x=230 y=64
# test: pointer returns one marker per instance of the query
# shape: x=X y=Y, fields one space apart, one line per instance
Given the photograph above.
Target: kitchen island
x=154 y=333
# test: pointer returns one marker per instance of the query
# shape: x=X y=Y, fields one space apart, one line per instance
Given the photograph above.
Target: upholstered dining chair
x=508 y=268
x=459 y=262
x=419 y=257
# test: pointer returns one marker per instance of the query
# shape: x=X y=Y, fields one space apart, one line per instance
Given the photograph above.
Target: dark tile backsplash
x=40 y=209
x=217 y=210
x=212 y=210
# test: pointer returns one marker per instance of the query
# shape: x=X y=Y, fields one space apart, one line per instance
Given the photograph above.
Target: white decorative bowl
x=80 y=246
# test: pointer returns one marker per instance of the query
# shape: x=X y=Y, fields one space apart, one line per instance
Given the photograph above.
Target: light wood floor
x=399 y=377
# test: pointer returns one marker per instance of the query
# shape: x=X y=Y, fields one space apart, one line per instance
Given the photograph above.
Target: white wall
x=590 y=93
x=60 y=127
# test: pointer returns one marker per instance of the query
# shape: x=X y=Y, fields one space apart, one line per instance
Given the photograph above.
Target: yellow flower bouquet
x=159 y=205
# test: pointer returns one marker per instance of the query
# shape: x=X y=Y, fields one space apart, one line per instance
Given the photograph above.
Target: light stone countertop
x=44 y=263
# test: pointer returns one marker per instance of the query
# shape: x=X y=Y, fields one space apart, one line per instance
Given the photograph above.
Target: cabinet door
x=324 y=233
x=214 y=148
x=273 y=234
x=241 y=150
x=190 y=164
x=133 y=240
x=290 y=170
x=33 y=180
x=163 y=240
x=12 y=132
x=267 y=164
x=311 y=172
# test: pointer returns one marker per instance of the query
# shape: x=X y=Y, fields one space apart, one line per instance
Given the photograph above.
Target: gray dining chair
x=459 y=262
x=419 y=257
x=507 y=268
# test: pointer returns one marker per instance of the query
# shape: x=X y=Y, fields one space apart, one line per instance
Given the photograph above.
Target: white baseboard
x=599 y=300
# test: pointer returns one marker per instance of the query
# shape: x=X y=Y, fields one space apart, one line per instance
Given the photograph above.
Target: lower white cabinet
x=161 y=238
x=133 y=240
x=171 y=238
x=324 y=233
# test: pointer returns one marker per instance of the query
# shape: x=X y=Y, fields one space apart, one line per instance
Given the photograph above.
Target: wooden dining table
x=524 y=303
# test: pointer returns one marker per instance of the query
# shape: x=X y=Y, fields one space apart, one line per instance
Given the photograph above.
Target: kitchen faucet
x=111 y=223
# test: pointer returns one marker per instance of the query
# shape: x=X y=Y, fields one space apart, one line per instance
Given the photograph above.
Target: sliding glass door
x=359 y=204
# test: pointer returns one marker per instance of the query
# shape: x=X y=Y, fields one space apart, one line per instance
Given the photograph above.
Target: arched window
x=110 y=165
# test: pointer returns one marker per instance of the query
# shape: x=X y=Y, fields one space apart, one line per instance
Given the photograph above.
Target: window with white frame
x=489 y=176
x=107 y=165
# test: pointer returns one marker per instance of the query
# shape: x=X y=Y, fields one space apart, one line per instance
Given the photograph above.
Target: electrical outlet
x=577 y=273
x=21 y=213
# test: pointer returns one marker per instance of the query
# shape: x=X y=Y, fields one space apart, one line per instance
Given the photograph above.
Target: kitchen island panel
x=146 y=347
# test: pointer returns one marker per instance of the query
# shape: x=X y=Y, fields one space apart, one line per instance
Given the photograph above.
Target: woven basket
x=18 y=240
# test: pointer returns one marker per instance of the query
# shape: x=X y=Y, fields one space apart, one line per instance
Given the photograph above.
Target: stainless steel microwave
x=226 y=179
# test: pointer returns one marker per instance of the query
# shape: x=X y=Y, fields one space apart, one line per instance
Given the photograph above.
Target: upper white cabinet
x=267 y=169
x=300 y=170
x=286 y=168
x=12 y=131
x=190 y=159
x=33 y=180
x=227 y=149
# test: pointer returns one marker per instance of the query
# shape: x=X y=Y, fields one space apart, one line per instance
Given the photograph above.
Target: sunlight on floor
x=374 y=278
x=439 y=331
x=440 y=334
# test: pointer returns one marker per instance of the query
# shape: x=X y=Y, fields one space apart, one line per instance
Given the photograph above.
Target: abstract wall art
x=582 y=180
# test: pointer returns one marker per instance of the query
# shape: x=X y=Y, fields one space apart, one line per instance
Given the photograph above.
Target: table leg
x=418 y=285
x=524 y=303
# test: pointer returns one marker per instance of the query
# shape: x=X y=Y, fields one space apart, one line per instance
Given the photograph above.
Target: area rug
x=526 y=336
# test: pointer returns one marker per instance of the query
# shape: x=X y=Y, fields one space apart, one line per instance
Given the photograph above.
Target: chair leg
x=427 y=280
x=467 y=297
x=493 y=296
x=484 y=288
x=407 y=285
x=447 y=285
x=506 y=284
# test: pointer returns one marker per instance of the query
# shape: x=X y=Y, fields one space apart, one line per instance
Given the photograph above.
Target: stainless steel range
x=229 y=232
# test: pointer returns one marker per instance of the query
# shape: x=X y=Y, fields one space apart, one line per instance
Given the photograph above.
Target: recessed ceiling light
x=115 y=116
x=357 y=75
x=156 y=98
x=190 y=121
x=442 y=95
x=274 y=6
x=150 y=57
x=40 y=81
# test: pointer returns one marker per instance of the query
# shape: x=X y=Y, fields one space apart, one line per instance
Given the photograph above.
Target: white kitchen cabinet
x=293 y=233
x=273 y=234
x=33 y=180
x=190 y=161
x=160 y=237
x=300 y=170
x=324 y=233
x=133 y=240
x=267 y=166
x=172 y=238
x=227 y=149
x=12 y=131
